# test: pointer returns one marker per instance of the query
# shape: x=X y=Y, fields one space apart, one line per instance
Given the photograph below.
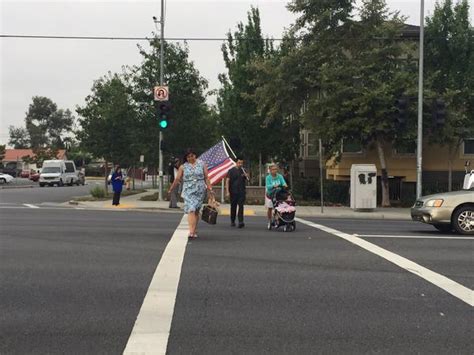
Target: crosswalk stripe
x=152 y=328
x=30 y=205
x=411 y=236
x=461 y=292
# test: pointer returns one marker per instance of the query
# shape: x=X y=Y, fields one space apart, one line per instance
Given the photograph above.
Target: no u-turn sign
x=161 y=93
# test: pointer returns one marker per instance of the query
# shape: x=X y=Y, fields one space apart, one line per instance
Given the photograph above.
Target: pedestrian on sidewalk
x=235 y=188
x=117 y=184
x=174 y=169
x=273 y=181
x=194 y=177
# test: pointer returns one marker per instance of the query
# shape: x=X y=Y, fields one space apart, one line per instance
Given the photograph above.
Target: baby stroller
x=284 y=210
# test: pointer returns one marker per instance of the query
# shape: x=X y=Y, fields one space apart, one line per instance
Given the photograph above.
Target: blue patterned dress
x=194 y=186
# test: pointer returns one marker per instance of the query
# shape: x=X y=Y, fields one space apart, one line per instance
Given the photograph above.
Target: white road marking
x=410 y=236
x=30 y=206
x=463 y=293
x=152 y=328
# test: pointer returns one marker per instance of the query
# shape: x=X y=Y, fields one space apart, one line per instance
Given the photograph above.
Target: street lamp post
x=419 y=150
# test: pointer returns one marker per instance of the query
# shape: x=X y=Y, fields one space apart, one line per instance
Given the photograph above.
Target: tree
x=238 y=114
x=40 y=154
x=108 y=121
x=449 y=54
x=2 y=153
x=191 y=123
x=289 y=77
x=19 y=137
x=360 y=81
x=45 y=126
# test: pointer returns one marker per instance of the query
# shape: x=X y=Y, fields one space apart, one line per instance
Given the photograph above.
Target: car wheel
x=463 y=220
x=3 y=181
x=61 y=183
x=444 y=228
x=71 y=182
x=41 y=185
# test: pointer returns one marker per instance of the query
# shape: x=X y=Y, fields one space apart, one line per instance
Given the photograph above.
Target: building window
x=351 y=146
x=469 y=146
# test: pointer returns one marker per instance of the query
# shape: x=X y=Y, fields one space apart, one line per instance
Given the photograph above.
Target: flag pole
x=228 y=146
x=235 y=157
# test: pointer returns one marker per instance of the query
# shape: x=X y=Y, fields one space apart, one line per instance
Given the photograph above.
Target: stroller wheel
x=293 y=225
x=286 y=228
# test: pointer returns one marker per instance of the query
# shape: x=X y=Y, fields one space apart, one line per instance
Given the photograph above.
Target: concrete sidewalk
x=134 y=203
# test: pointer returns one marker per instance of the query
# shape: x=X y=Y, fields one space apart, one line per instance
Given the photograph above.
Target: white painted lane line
x=152 y=328
x=463 y=293
x=410 y=236
x=30 y=206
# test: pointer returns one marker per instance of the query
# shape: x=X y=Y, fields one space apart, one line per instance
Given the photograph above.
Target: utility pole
x=419 y=149
x=162 y=62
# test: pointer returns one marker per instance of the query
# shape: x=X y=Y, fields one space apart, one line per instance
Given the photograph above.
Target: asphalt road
x=73 y=282
x=44 y=194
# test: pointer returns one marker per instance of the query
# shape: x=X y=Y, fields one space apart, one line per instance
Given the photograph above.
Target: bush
x=98 y=192
x=336 y=191
x=152 y=197
x=308 y=189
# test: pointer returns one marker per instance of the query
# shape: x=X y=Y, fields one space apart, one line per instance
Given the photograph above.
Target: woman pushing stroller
x=273 y=181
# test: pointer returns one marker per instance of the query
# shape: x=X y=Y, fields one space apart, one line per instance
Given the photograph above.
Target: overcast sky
x=64 y=70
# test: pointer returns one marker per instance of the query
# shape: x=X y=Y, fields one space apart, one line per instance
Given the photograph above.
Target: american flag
x=218 y=162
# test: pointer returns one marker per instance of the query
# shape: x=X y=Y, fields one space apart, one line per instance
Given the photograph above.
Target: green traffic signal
x=163 y=114
x=163 y=124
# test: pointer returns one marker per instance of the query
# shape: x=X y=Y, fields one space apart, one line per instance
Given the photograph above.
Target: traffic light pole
x=419 y=149
x=160 y=163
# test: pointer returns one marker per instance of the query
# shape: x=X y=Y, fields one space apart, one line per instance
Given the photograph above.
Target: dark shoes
x=241 y=225
x=232 y=224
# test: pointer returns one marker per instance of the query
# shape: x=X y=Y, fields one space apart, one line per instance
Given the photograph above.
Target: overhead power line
x=130 y=38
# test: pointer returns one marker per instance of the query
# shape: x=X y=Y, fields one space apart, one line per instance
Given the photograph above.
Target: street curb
x=17 y=187
x=355 y=215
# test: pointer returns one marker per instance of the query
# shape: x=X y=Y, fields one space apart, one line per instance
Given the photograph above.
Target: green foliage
x=46 y=126
x=358 y=88
x=152 y=197
x=239 y=116
x=41 y=154
x=2 y=154
x=19 y=137
x=191 y=123
x=449 y=53
x=309 y=189
x=98 y=192
x=108 y=121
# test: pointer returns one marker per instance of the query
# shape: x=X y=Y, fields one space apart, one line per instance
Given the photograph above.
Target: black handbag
x=209 y=214
x=209 y=211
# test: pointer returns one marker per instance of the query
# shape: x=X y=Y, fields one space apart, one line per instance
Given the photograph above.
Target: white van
x=58 y=172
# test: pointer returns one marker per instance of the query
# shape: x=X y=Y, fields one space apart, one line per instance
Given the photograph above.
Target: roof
x=411 y=31
x=17 y=154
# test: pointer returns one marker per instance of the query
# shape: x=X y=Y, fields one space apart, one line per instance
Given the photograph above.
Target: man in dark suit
x=235 y=187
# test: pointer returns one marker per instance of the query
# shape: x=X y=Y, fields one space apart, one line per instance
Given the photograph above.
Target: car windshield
x=50 y=169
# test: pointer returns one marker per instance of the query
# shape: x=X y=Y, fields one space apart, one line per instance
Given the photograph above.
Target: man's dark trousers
x=237 y=199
